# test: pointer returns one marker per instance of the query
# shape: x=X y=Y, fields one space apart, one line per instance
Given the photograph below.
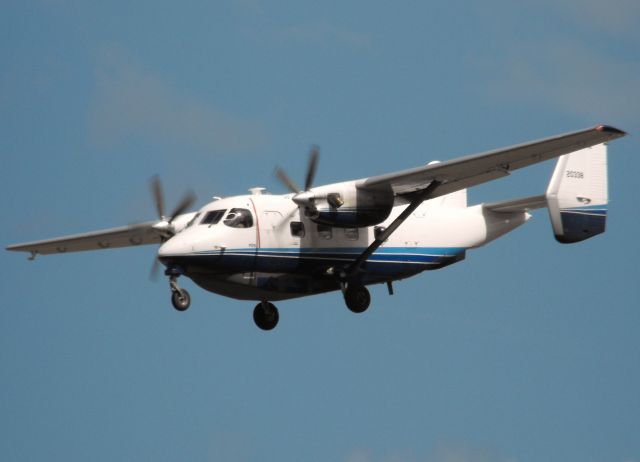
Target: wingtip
x=610 y=129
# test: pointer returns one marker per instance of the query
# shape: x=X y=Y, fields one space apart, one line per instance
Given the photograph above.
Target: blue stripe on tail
x=580 y=223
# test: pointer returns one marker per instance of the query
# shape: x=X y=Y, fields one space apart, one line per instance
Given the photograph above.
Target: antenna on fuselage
x=257 y=191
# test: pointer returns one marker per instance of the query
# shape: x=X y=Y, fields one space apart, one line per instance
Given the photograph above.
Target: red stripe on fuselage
x=255 y=212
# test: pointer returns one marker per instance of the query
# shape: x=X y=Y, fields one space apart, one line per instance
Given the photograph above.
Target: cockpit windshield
x=212 y=217
x=239 y=218
x=193 y=220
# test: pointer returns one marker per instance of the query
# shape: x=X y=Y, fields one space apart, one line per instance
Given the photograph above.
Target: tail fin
x=577 y=195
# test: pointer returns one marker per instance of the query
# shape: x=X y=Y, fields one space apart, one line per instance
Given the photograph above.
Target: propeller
x=187 y=201
x=312 y=167
x=165 y=225
x=287 y=181
x=155 y=270
x=302 y=196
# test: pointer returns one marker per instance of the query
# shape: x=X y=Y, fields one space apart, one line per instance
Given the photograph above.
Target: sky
x=526 y=351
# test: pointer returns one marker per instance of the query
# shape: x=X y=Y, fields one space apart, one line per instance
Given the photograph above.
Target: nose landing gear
x=180 y=298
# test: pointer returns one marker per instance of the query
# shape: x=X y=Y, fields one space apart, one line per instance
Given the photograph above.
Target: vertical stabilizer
x=577 y=195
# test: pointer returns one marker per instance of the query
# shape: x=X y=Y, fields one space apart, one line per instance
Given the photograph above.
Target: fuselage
x=261 y=247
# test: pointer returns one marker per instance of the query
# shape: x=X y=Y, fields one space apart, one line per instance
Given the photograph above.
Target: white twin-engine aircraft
x=345 y=236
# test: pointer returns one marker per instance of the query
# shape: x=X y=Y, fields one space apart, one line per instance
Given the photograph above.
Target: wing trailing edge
x=468 y=171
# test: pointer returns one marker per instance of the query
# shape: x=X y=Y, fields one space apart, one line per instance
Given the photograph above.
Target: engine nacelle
x=344 y=205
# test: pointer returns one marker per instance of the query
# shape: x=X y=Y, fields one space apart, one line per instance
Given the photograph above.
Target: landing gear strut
x=180 y=298
x=265 y=315
x=357 y=298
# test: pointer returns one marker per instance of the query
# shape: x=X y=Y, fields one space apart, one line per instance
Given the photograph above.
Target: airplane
x=349 y=235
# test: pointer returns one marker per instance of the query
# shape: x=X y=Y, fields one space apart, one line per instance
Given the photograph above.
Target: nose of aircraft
x=175 y=246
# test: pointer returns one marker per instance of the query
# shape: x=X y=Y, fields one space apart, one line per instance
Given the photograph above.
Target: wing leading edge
x=473 y=170
x=125 y=236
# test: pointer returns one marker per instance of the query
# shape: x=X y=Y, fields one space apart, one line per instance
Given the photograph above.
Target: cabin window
x=351 y=234
x=297 y=228
x=239 y=218
x=325 y=232
x=212 y=217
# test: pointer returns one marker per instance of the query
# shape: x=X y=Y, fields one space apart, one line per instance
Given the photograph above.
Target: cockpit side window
x=212 y=217
x=239 y=218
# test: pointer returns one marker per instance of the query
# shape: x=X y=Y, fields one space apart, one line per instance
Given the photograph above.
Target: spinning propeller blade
x=311 y=173
x=287 y=181
x=155 y=268
x=186 y=202
x=158 y=197
x=165 y=224
x=312 y=167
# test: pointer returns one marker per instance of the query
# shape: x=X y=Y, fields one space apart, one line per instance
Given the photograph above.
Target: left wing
x=472 y=170
x=125 y=236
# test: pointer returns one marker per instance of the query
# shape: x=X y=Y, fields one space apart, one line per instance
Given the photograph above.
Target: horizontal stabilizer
x=518 y=205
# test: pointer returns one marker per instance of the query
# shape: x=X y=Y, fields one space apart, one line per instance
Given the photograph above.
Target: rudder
x=577 y=195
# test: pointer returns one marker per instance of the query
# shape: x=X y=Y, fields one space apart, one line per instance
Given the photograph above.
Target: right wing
x=125 y=236
x=464 y=172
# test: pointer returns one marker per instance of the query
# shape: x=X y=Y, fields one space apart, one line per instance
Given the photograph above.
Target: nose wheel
x=180 y=298
x=266 y=315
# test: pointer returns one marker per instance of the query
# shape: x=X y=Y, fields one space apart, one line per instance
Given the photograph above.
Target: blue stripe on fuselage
x=387 y=261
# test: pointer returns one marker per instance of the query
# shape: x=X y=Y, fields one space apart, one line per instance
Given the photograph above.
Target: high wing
x=125 y=236
x=473 y=170
x=151 y=232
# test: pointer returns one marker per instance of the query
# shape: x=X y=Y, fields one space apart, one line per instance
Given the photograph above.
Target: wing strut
x=353 y=268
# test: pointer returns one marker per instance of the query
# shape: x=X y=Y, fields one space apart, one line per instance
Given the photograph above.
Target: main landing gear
x=356 y=297
x=266 y=315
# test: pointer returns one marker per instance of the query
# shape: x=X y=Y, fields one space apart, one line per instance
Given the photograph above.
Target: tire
x=266 y=319
x=180 y=299
x=357 y=298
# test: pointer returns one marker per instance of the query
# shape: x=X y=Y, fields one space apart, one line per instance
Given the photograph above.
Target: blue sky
x=526 y=351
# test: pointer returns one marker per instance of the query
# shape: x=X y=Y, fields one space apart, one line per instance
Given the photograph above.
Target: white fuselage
x=278 y=253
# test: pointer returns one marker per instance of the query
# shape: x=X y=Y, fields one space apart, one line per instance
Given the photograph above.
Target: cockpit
x=212 y=217
x=239 y=218
x=235 y=218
